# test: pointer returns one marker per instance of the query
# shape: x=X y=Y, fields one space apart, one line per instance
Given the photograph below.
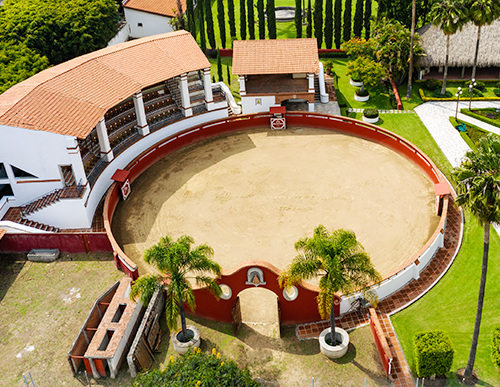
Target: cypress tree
x=190 y=16
x=309 y=29
x=243 y=20
x=298 y=18
x=180 y=16
x=232 y=23
x=203 y=41
x=262 y=19
x=368 y=15
x=271 y=19
x=328 y=23
x=318 y=22
x=210 y=23
x=347 y=20
x=251 y=20
x=338 y=23
x=219 y=67
x=228 y=73
x=221 y=18
x=358 y=19
x=381 y=9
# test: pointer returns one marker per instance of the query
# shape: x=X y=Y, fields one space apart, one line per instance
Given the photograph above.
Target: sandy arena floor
x=253 y=194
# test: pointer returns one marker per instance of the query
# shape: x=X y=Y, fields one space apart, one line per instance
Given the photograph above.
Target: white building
x=67 y=129
x=278 y=72
x=150 y=17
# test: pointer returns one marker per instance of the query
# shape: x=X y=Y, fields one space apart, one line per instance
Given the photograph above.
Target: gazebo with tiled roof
x=273 y=71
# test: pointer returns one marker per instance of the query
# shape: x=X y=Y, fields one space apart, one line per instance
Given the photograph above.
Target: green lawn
x=451 y=306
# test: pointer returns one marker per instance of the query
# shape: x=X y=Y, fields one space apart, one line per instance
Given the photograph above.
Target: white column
x=207 y=84
x=310 y=78
x=243 y=90
x=76 y=160
x=102 y=134
x=140 y=113
x=186 y=102
x=322 y=88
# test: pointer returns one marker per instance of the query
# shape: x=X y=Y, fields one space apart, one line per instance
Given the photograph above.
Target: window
x=139 y=24
x=5 y=190
x=19 y=173
x=3 y=172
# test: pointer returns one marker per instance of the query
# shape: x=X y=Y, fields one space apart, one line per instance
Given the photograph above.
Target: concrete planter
x=180 y=347
x=370 y=120
x=355 y=83
x=337 y=351
x=361 y=98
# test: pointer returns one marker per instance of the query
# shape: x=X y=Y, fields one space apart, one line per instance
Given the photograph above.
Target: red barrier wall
x=68 y=243
x=380 y=341
x=301 y=310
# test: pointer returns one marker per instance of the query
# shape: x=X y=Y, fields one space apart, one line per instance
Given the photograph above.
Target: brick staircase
x=329 y=87
x=71 y=192
x=14 y=215
x=174 y=90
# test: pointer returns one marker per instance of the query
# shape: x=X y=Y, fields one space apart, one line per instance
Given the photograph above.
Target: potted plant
x=368 y=72
x=355 y=82
x=370 y=115
x=343 y=265
x=175 y=260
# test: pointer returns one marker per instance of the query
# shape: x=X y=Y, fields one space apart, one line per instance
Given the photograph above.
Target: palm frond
x=144 y=287
x=211 y=284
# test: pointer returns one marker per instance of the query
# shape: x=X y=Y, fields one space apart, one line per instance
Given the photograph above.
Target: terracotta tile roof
x=70 y=98
x=159 y=7
x=275 y=56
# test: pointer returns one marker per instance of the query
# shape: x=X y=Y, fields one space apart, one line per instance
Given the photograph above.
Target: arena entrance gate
x=237 y=319
x=296 y=306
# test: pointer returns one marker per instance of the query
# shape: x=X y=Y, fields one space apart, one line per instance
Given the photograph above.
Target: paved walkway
x=350 y=110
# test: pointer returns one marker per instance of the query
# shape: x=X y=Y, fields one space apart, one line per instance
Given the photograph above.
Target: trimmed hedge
x=497 y=92
x=495 y=347
x=437 y=94
x=479 y=117
x=433 y=353
x=426 y=99
x=464 y=135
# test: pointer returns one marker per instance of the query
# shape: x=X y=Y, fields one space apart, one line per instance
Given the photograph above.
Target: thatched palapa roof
x=462 y=46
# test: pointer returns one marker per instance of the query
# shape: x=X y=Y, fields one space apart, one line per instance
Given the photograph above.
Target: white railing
x=236 y=109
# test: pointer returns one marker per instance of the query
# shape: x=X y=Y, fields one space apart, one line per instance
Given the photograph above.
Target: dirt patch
x=252 y=195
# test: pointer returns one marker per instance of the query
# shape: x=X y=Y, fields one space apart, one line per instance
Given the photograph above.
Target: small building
x=278 y=72
x=107 y=333
x=462 y=51
x=150 y=17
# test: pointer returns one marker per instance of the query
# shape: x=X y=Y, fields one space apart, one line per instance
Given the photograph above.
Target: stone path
x=352 y=110
x=332 y=107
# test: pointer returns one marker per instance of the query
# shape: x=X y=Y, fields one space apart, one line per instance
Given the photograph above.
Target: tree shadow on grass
x=11 y=266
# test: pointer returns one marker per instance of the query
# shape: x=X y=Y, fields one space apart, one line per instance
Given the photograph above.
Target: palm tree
x=482 y=12
x=450 y=16
x=478 y=188
x=339 y=259
x=175 y=260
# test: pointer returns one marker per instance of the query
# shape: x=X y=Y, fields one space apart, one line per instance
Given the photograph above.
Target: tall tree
x=478 y=189
x=338 y=23
x=410 y=71
x=298 y=18
x=251 y=19
x=482 y=12
x=271 y=18
x=203 y=39
x=358 y=19
x=309 y=28
x=221 y=18
x=341 y=262
x=347 y=20
x=230 y=13
x=219 y=67
x=210 y=23
x=368 y=16
x=177 y=263
x=450 y=16
x=191 y=20
x=318 y=22
x=328 y=23
x=228 y=74
x=243 y=20
x=262 y=19
x=180 y=16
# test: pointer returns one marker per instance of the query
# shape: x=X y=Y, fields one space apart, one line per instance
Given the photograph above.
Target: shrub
x=370 y=113
x=197 y=369
x=497 y=92
x=479 y=85
x=360 y=93
x=328 y=65
x=495 y=347
x=475 y=93
x=432 y=84
x=437 y=94
x=433 y=353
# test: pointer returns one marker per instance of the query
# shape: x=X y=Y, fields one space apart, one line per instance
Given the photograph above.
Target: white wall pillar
x=102 y=134
x=243 y=90
x=207 y=84
x=94 y=369
x=310 y=78
x=186 y=102
x=140 y=113
x=76 y=160
x=311 y=106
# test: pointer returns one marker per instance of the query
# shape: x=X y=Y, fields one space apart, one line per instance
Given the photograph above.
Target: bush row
x=479 y=117
x=426 y=99
x=495 y=347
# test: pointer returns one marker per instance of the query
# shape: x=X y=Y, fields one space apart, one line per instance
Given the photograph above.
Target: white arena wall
x=250 y=104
